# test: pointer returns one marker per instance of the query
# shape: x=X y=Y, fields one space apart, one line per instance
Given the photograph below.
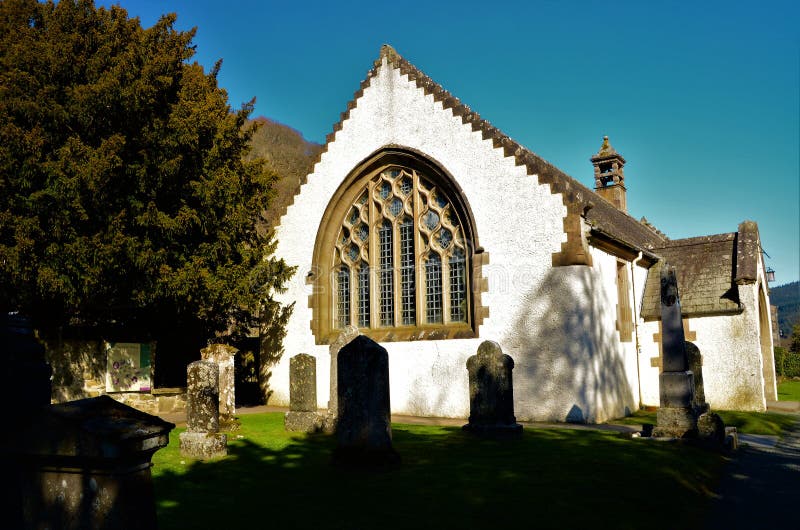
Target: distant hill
x=289 y=155
x=787 y=298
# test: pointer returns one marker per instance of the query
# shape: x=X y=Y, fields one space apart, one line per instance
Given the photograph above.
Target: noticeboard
x=128 y=367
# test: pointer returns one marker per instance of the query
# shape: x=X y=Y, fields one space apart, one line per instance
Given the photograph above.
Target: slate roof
x=707 y=273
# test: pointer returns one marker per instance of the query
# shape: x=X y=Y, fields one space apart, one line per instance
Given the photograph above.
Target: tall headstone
x=223 y=355
x=302 y=415
x=491 y=392
x=363 y=429
x=676 y=417
x=202 y=438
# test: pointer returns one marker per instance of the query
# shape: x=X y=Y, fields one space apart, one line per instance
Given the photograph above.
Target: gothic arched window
x=398 y=258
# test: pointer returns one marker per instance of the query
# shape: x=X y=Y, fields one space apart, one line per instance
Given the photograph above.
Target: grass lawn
x=789 y=391
x=551 y=478
x=745 y=422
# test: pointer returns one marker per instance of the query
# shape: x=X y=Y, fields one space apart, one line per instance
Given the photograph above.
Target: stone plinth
x=204 y=444
x=86 y=464
x=202 y=438
x=224 y=356
x=363 y=429
x=491 y=392
x=302 y=415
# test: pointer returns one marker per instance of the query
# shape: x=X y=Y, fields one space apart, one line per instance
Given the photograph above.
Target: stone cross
x=302 y=415
x=491 y=392
x=224 y=356
x=676 y=416
x=363 y=429
x=202 y=438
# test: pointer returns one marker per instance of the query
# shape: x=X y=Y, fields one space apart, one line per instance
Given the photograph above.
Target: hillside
x=288 y=154
x=787 y=298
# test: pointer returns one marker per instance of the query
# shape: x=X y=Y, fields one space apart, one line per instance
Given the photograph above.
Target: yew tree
x=125 y=194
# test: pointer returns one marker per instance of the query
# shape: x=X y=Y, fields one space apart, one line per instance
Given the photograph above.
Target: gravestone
x=676 y=417
x=695 y=359
x=491 y=392
x=345 y=337
x=224 y=356
x=202 y=438
x=302 y=415
x=363 y=429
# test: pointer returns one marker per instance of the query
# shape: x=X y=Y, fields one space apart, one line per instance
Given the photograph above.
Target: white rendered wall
x=731 y=350
x=557 y=323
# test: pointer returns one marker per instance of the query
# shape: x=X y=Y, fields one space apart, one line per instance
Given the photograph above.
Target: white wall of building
x=558 y=324
x=732 y=364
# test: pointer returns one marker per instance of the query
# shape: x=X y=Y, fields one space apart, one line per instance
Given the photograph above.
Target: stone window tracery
x=403 y=236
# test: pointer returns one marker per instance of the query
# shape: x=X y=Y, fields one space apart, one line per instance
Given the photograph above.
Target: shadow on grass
x=447 y=479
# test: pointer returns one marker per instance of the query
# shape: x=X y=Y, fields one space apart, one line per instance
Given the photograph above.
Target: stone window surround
x=322 y=297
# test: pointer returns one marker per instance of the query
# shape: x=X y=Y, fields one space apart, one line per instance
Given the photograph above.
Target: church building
x=430 y=231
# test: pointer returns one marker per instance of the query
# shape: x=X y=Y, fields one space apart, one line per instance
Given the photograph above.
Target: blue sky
x=701 y=98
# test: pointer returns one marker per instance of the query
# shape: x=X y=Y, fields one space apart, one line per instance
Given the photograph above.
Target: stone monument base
x=675 y=422
x=203 y=444
x=494 y=430
x=302 y=421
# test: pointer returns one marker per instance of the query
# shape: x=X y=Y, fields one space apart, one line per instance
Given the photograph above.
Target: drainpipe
x=636 y=327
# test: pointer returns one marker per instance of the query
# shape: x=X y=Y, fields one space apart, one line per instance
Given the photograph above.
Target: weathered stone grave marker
x=302 y=415
x=676 y=416
x=491 y=392
x=202 y=438
x=223 y=355
x=345 y=337
x=363 y=429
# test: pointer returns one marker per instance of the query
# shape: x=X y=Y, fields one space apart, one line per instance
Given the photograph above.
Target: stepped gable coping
x=579 y=200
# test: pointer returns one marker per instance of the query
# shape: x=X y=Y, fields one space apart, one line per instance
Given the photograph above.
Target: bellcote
x=609 y=177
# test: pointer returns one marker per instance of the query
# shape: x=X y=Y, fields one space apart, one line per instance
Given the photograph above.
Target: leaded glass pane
x=405 y=186
x=407 y=291
x=384 y=189
x=386 y=277
x=353 y=219
x=458 y=287
x=361 y=232
x=363 y=295
x=396 y=206
x=433 y=289
x=343 y=297
x=445 y=238
x=431 y=219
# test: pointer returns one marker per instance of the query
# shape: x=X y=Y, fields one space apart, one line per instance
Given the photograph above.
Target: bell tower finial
x=609 y=177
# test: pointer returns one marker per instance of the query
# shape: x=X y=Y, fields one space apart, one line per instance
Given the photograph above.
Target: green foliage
x=125 y=194
x=787 y=298
x=779 y=354
x=791 y=365
x=447 y=479
x=794 y=345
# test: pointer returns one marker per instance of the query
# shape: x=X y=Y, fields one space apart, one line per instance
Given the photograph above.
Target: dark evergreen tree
x=126 y=197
